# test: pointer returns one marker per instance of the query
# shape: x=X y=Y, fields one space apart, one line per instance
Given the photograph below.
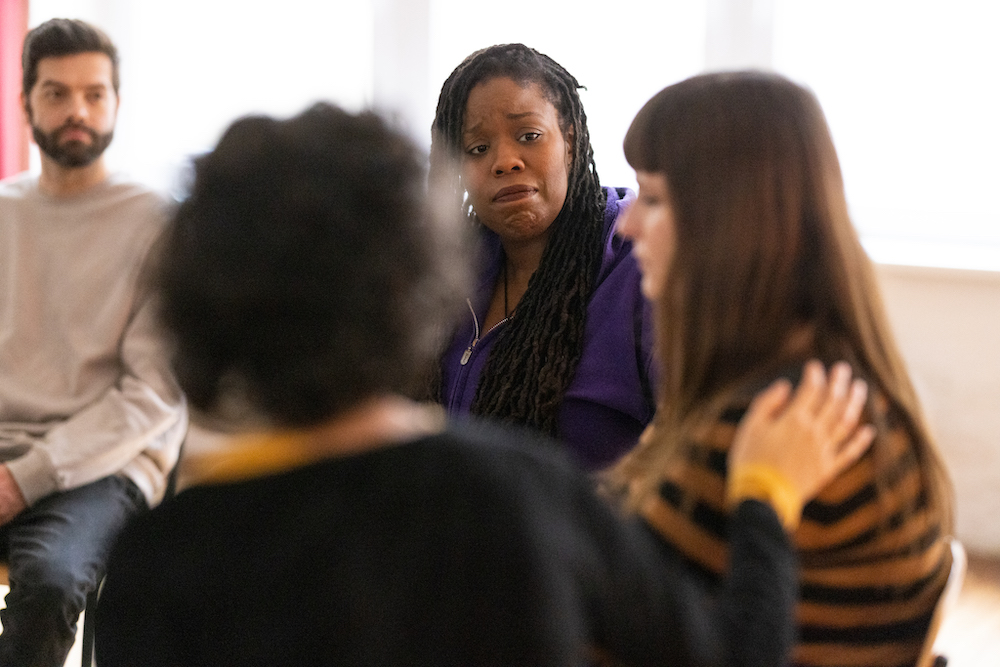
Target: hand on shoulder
x=791 y=445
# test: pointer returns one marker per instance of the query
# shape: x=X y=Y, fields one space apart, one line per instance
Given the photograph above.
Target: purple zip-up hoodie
x=609 y=401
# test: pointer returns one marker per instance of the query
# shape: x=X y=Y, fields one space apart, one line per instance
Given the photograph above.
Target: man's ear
x=26 y=108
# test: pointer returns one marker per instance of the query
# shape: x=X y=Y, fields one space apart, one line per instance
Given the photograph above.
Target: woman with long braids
x=751 y=261
x=559 y=337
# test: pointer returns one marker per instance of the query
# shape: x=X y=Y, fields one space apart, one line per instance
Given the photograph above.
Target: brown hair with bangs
x=767 y=268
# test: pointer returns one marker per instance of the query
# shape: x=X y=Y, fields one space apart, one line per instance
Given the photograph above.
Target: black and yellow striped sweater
x=873 y=562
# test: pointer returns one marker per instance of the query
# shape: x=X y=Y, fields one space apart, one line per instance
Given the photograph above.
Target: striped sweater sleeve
x=872 y=557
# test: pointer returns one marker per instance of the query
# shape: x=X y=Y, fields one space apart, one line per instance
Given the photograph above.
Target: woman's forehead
x=505 y=98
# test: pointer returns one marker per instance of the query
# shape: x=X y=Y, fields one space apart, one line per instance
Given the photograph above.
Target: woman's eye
x=530 y=136
x=477 y=150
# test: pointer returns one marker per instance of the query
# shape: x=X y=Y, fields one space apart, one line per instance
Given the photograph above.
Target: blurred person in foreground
x=306 y=280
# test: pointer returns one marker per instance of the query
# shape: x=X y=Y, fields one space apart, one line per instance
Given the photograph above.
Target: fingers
x=843 y=403
x=839 y=412
x=809 y=394
x=852 y=450
x=835 y=401
x=770 y=402
x=854 y=406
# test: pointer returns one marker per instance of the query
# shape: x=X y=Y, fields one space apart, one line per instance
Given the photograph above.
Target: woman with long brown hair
x=749 y=256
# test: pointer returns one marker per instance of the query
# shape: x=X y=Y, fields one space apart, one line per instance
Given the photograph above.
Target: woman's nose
x=508 y=158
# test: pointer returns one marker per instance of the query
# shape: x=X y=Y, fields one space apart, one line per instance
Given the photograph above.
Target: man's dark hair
x=63 y=37
x=532 y=364
x=305 y=272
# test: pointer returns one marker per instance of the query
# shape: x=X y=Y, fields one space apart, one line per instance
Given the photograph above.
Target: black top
x=472 y=547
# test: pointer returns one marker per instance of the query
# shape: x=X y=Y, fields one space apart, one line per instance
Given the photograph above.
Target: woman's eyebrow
x=472 y=129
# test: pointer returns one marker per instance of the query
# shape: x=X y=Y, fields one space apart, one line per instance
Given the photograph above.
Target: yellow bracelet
x=762 y=482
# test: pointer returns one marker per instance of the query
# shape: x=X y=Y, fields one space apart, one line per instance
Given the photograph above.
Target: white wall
x=947 y=323
x=190 y=67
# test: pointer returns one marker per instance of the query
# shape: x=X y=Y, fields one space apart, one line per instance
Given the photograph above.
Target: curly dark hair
x=63 y=37
x=305 y=272
x=537 y=354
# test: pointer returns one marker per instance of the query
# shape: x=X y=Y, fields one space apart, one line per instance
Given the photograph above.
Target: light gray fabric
x=85 y=386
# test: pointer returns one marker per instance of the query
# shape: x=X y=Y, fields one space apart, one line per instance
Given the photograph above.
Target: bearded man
x=91 y=419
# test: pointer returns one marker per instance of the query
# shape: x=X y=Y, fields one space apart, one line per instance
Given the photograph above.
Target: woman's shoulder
x=618 y=199
x=617 y=252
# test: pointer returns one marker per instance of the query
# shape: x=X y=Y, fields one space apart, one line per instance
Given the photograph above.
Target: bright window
x=910 y=90
x=190 y=67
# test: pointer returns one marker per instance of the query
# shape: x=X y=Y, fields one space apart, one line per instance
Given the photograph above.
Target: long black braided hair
x=536 y=356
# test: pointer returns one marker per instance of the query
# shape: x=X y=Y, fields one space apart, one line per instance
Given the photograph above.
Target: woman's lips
x=513 y=193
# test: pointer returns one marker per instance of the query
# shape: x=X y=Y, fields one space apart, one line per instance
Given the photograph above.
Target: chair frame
x=947 y=601
x=87 y=659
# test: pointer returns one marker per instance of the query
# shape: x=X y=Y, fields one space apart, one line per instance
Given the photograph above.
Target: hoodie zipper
x=475 y=321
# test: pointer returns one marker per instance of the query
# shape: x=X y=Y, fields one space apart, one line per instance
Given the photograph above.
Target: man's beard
x=74 y=153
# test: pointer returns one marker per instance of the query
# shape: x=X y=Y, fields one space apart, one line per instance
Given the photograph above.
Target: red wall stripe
x=13 y=133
